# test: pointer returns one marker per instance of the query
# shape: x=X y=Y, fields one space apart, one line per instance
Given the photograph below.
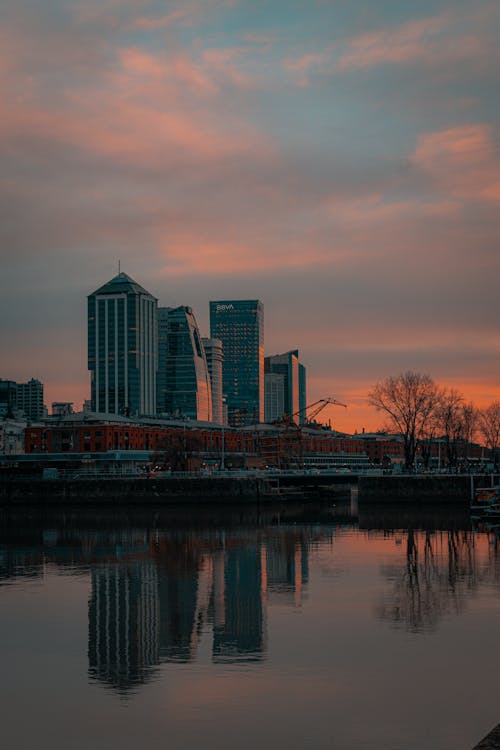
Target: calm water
x=228 y=629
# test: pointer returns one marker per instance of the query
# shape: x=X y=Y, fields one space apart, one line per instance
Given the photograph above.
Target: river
x=229 y=627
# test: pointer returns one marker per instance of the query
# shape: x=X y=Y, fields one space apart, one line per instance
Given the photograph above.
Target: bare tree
x=489 y=425
x=449 y=414
x=429 y=431
x=470 y=416
x=408 y=400
x=457 y=423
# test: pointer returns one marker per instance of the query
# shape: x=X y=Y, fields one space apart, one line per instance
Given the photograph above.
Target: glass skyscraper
x=122 y=348
x=239 y=324
x=183 y=379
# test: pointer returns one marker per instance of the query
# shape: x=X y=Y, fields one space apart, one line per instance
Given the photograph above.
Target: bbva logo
x=222 y=308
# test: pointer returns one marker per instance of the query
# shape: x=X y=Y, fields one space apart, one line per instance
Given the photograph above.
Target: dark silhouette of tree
x=449 y=415
x=489 y=425
x=408 y=400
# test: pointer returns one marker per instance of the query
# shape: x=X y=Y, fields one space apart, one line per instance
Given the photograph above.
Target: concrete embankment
x=420 y=488
x=133 y=491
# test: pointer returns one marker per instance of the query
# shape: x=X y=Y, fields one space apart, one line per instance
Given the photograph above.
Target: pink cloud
x=439 y=42
x=402 y=44
x=146 y=109
x=463 y=161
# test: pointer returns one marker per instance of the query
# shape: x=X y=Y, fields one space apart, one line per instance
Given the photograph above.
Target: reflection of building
x=122 y=329
x=287 y=569
x=123 y=623
x=183 y=380
x=284 y=386
x=215 y=357
x=239 y=634
x=239 y=324
x=156 y=596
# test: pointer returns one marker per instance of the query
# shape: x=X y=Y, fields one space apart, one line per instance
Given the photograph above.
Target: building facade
x=122 y=348
x=215 y=357
x=184 y=388
x=274 y=397
x=22 y=399
x=285 y=387
x=239 y=324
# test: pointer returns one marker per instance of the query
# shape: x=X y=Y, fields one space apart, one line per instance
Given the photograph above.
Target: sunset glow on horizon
x=339 y=162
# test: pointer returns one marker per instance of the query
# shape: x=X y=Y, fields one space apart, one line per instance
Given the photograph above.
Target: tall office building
x=215 y=357
x=274 y=397
x=285 y=386
x=122 y=348
x=184 y=388
x=302 y=393
x=239 y=324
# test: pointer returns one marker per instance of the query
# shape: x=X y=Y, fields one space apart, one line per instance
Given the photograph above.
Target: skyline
x=340 y=164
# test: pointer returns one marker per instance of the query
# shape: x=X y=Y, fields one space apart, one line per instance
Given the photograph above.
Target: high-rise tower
x=122 y=348
x=239 y=324
x=285 y=386
x=183 y=379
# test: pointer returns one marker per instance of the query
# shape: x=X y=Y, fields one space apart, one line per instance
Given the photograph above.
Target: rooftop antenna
x=118 y=266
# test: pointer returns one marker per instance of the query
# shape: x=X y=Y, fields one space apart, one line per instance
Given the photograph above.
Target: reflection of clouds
x=441 y=571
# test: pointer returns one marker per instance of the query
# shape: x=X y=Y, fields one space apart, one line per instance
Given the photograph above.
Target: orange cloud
x=220 y=258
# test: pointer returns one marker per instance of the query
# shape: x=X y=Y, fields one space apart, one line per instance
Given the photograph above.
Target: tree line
x=422 y=412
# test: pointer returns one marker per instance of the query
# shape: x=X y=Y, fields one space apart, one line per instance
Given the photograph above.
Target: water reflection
x=440 y=571
x=155 y=592
x=161 y=584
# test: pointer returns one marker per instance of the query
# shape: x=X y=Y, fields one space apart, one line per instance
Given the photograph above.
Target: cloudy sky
x=338 y=160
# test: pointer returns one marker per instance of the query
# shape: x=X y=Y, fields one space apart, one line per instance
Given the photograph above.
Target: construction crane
x=319 y=406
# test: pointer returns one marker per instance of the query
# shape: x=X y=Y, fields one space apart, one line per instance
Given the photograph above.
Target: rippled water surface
x=241 y=629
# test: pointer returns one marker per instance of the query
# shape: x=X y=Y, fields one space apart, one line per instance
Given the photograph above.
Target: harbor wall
x=132 y=491
x=419 y=488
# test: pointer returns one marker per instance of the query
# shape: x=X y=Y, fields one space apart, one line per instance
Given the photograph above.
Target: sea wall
x=419 y=488
x=132 y=491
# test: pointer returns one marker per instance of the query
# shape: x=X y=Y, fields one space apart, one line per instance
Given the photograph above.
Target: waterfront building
x=12 y=436
x=122 y=348
x=285 y=387
x=215 y=357
x=22 y=399
x=239 y=324
x=184 y=388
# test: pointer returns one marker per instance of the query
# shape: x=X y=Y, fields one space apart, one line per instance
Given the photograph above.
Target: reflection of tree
x=440 y=571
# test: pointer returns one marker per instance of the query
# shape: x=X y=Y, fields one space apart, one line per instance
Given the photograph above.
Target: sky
x=337 y=160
